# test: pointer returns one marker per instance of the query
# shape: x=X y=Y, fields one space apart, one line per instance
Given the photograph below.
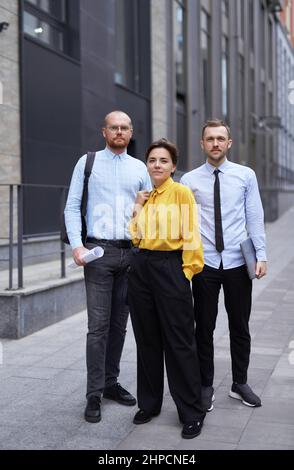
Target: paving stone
x=43 y=381
x=260 y=433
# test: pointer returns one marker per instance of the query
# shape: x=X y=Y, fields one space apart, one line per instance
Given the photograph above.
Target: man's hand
x=78 y=253
x=261 y=269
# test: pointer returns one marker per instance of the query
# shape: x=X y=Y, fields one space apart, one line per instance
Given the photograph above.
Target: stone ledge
x=28 y=310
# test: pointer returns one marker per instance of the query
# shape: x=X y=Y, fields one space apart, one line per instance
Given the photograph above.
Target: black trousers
x=237 y=294
x=161 y=308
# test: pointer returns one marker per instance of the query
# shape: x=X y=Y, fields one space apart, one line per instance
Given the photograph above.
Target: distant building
x=284 y=174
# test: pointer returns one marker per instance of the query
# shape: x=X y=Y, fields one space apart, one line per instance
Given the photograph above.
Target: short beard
x=219 y=158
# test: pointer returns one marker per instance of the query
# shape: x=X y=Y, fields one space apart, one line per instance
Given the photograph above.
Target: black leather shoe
x=193 y=429
x=117 y=393
x=93 y=411
x=142 y=417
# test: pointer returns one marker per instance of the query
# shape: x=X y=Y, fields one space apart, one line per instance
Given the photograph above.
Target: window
x=270 y=49
x=125 y=73
x=206 y=61
x=242 y=19
x=225 y=8
x=180 y=67
x=54 y=8
x=241 y=98
x=180 y=47
x=132 y=45
x=262 y=36
x=251 y=25
x=43 y=31
x=47 y=21
x=225 y=73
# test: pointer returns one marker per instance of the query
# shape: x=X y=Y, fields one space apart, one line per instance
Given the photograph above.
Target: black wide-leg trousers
x=161 y=308
x=237 y=294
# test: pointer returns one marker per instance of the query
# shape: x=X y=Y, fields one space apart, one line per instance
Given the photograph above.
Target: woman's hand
x=142 y=197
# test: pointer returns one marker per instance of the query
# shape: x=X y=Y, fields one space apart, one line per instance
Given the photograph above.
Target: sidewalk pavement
x=43 y=380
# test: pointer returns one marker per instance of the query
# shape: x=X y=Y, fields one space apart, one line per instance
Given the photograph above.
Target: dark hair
x=215 y=123
x=166 y=144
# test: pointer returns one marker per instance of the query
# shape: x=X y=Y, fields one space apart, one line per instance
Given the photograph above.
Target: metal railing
x=18 y=191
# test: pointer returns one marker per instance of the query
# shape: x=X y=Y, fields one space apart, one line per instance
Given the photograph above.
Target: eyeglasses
x=115 y=129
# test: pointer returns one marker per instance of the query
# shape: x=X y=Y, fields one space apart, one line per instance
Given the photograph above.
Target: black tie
x=219 y=241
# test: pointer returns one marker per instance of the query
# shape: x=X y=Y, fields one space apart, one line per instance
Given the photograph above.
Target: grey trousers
x=106 y=289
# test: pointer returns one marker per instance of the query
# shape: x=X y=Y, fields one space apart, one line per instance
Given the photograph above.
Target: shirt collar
x=112 y=155
x=223 y=167
x=163 y=186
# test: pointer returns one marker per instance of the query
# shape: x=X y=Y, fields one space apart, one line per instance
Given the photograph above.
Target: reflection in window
x=241 y=98
x=206 y=60
x=225 y=8
x=180 y=49
x=125 y=40
x=43 y=31
x=52 y=7
x=225 y=54
x=262 y=36
x=180 y=68
x=251 y=25
x=270 y=49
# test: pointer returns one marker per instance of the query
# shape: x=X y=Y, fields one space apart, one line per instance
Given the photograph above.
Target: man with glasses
x=115 y=179
x=230 y=208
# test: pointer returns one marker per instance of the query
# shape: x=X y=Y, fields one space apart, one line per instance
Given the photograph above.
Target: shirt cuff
x=76 y=243
x=188 y=273
x=261 y=255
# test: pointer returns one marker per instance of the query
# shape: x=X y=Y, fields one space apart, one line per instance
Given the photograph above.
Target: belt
x=158 y=253
x=116 y=243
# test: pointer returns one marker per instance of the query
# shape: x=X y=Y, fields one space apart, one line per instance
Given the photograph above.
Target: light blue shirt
x=241 y=209
x=113 y=185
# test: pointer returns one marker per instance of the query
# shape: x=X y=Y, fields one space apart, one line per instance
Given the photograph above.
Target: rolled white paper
x=91 y=255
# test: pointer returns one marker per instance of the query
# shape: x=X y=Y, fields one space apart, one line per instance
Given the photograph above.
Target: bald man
x=115 y=179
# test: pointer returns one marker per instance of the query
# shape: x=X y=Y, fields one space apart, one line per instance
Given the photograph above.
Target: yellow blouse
x=168 y=221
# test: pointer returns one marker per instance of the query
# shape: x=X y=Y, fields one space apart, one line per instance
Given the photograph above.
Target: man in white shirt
x=231 y=209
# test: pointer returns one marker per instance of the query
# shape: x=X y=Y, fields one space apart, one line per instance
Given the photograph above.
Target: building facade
x=10 y=153
x=285 y=100
x=170 y=64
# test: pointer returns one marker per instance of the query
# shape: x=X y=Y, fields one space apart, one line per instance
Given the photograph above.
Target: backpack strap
x=87 y=173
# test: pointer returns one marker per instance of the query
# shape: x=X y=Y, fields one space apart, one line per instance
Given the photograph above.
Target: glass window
x=225 y=65
x=180 y=48
x=124 y=47
x=132 y=45
x=262 y=36
x=43 y=31
x=45 y=21
x=270 y=49
x=52 y=7
x=225 y=8
x=206 y=60
x=241 y=98
x=251 y=25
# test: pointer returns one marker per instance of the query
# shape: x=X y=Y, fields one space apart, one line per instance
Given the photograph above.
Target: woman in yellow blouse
x=168 y=254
